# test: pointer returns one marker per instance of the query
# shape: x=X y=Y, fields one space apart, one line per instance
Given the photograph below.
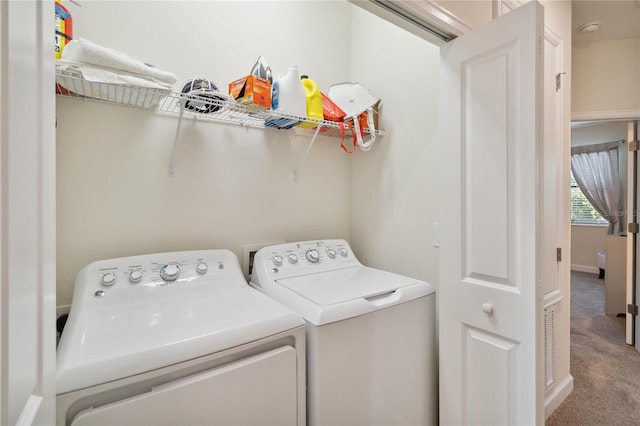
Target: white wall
x=233 y=186
x=586 y=242
x=394 y=185
x=598 y=132
x=605 y=78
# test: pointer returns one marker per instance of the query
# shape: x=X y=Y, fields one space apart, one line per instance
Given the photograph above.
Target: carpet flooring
x=605 y=370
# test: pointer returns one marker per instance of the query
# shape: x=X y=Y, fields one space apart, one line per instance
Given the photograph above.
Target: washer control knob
x=170 y=272
x=277 y=260
x=344 y=252
x=109 y=279
x=312 y=255
x=135 y=276
x=331 y=252
x=293 y=258
x=202 y=268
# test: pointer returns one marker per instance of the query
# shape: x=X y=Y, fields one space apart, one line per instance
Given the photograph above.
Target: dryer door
x=257 y=390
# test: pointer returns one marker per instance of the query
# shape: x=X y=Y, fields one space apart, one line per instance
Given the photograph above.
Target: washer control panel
x=150 y=271
x=304 y=257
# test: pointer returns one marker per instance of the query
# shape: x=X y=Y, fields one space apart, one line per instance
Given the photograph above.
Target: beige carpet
x=605 y=370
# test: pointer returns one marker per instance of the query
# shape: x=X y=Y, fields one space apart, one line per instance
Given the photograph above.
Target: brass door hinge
x=634 y=146
x=633 y=228
x=632 y=309
x=559 y=254
x=559 y=81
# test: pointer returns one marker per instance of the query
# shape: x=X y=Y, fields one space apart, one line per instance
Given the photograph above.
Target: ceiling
x=618 y=19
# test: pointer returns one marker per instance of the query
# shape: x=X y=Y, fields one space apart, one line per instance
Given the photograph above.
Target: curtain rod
x=596 y=147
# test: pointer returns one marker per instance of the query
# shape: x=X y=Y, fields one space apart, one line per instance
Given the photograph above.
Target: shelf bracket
x=296 y=171
x=175 y=141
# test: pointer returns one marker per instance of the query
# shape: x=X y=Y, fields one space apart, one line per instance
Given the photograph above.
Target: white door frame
x=27 y=213
x=633 y=243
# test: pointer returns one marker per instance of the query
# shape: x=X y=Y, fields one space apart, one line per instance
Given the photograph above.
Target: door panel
x=489 y=290
x=489 y=379
x=486 y=190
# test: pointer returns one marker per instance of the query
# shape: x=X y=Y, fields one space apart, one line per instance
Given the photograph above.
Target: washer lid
x=337 y=295
x=343 y=285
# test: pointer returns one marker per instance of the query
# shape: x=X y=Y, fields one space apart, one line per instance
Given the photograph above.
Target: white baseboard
x=559 y=393
x=585 y=268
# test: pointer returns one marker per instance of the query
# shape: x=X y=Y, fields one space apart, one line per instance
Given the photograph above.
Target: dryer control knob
x=170 y=272
x=312 y=255
x=293 y=258
x=135 y=276
x=277 y=260
x=331 y=252
x=202 y=268
x=109 y=279
x=344 y=252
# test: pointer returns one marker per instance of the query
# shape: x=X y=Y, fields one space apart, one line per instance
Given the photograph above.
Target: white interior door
x=27 y=206
x=630 y=240
x=489 y=290
x=633 y=242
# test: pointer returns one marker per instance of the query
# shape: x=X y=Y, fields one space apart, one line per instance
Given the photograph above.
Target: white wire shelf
x=71 y=84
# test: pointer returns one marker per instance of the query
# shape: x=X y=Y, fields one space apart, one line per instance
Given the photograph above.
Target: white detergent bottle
x=289 y=95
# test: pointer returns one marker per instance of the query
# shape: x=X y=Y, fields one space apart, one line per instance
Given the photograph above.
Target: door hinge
x=559 y=81
x=634 y=146
x=633 y=228
x=632 y=309
x=559 y=254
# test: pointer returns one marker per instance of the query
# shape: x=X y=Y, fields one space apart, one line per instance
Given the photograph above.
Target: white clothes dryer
x=371 y=346
x=178 y=338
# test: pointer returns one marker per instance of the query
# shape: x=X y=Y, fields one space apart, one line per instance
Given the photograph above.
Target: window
x=581 y=209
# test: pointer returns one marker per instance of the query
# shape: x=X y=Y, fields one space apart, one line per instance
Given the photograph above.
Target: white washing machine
x=178 y=338
x=371 y=346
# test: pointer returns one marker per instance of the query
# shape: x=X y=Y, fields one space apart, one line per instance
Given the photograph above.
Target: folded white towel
x=97 y=74
x=85 y=51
